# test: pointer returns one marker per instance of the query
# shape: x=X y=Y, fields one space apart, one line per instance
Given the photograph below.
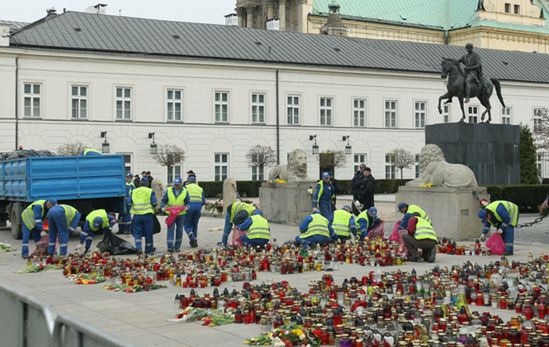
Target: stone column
x=240 y=13
x=299 y=15
x=249 y=17
x=282 y=14
x=270 y=10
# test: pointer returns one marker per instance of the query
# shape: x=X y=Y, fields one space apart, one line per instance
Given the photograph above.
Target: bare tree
x=71 y=148
x=169 y=155
x=402 y=159
x=331 y=158
x=261 y=156
x=541 y=128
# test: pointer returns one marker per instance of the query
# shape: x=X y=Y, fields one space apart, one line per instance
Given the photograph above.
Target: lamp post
x=105 y=146
x=315 y=145
x=154 y=146
x=348 y=148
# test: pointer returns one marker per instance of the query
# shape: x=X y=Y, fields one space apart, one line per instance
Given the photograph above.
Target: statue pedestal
x=286 y=203
x=453 y=211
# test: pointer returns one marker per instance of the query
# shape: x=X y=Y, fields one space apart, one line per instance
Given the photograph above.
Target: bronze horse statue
x=452 y=69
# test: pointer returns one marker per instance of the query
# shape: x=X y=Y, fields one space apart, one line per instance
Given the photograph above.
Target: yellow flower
x=427 y=185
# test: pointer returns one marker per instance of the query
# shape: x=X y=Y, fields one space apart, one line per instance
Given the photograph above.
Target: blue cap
x=372 y=211
x=482 y=214
x=257 y=212
x=402 y=205
x=97 y=222
x=129 y=174
x=52 y=201
x=347 y=208
x=325 y=174
x=191 y=178
x=177 y=180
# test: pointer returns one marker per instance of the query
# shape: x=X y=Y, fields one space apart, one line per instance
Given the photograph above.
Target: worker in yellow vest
x=143 y=203
x=173 y=197
x=63 y=221
x=32 y=219
x=314 y=230
x=90 y=152
x=97 y=222
x=258 y=228
x=421 y=235
x=196 y=201
x=503 y=215
x=241 y=209
x=324 y=195
x=409 y=211
x=342 y=224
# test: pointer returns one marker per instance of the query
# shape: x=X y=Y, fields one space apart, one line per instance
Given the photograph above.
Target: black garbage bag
x=156 y=225
x=115 y=245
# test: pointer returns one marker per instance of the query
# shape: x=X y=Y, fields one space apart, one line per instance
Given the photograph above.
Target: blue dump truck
x=85 y=182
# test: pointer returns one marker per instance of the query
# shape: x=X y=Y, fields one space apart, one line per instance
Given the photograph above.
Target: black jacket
x=356 y=185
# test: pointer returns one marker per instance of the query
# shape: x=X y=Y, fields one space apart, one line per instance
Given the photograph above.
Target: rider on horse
x=473 y=70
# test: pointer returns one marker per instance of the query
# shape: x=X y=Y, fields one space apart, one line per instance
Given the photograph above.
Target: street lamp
x=154 y=146
x=348 y=148
x=315 y=145
x=105 y=146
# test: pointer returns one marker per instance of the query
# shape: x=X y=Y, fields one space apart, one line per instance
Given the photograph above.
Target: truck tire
x=15 y=221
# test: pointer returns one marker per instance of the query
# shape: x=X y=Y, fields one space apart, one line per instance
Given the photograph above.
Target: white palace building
x=217 y=90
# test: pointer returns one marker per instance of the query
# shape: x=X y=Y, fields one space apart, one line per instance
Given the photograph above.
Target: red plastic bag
x=236 y=242
x=495 y=244
x=173 y=213
x=395 y=235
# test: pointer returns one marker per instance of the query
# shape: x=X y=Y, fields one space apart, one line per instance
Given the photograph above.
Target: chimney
x=231 y=19
x=51 y=12
x=4 y=35
x=98 y=9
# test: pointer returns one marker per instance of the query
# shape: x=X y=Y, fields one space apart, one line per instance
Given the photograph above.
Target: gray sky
x=203 y=11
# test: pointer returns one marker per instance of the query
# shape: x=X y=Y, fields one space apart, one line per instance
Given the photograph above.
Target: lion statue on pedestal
x=435 y=171
x=294 y=171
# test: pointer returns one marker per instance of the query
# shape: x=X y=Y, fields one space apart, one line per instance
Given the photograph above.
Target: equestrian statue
x=467 y=80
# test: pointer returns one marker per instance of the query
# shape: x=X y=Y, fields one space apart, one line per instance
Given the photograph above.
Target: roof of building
x=14 y=26
x=433 y=14
x=90 y=32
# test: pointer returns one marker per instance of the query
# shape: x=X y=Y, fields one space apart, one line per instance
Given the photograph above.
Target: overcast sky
x=203 y=11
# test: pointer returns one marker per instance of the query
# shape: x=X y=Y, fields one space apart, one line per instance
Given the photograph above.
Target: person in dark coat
x=356 y=185
x=368 y=188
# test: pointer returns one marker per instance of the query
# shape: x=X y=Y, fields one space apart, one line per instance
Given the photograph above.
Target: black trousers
x=412 y=245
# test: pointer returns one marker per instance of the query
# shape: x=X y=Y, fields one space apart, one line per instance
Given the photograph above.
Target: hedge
x=251 y=188
x=528 y=197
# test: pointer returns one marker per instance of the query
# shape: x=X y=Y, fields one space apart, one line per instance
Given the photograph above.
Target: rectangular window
x=79 y=102
x=507 y=7
x=417 y=164
x=174 y=105
x=258 y=173
x=358 y=159
x=127 y=162
x=446 y=113
x=539 y=113
x=292 y=109
x=516 y=9
x=390 y=170
x=472 y=111
x=390 y=113
x=258 y=108
x=221 y=107
x=221 y=167
x=326 y=111
x=506 y=113
x=123 y=103
x=359 y=112
x=31 y=99
x=174 y=171
x=419 y=114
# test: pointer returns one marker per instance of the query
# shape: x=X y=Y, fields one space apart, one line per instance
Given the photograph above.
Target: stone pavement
x=141 y=319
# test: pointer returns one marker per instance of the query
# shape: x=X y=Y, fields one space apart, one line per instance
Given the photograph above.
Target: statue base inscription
x=453 y=211
x=286 y=203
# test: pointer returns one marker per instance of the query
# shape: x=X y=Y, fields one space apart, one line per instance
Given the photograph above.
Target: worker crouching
x=98 y=222
x=421 y=235
x=314 y=230
x=258 y=228
x=342 y=224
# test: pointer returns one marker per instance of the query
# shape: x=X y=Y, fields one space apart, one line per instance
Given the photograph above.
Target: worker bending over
x=409 y=211
x=503 y=215
x=258 y=228
x=62 y=221
x=342 y=224
x=314 y=230
x=97 y=222
x=32 y=219
x=421 y=235
x=244 y=209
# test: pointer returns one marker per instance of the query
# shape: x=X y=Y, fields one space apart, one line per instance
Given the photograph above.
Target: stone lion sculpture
x=436 y=171
x=294 y=171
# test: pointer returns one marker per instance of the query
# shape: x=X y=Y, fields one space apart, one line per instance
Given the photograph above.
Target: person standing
x=368 y=189
x=420 y=235
x=356 y=189
x=97 y=222
x=190 y=174
x=323 y=196
x=32 y=219
x=174 y=197
x=143 y=202
x=258 y=228
x=342 y=224
x=151 y=179
x=314 y=230
x=62 y=220
x=137 y=181
x=196 y=201
x=124 y=225
x=503 y=215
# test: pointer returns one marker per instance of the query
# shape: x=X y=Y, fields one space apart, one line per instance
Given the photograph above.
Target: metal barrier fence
x=25 y=322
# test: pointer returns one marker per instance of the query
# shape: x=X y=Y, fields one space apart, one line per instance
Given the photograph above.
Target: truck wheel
x=15 y=221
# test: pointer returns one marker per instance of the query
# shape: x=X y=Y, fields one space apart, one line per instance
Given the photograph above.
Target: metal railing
x=26 y=322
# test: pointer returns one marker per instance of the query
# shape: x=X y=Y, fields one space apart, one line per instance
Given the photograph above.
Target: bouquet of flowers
x=214 y=207
x=209 y=317
x=5 y=247
x=133 y=288
x=85 y=279
x=286 y=336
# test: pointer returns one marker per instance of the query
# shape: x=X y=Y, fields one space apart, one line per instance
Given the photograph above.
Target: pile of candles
x=451 y=247
x=437 y=308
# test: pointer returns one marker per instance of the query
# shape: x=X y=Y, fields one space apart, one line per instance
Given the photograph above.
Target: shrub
x=528 y=197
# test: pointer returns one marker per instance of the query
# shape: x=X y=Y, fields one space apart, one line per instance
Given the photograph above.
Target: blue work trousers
x=35 y=233
x=325 y=208
x=193 y=216
x=509 y=238
x=58 y=229
x=143 y=227
x=311 y=240
x=253 y=242
x=176 y=227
